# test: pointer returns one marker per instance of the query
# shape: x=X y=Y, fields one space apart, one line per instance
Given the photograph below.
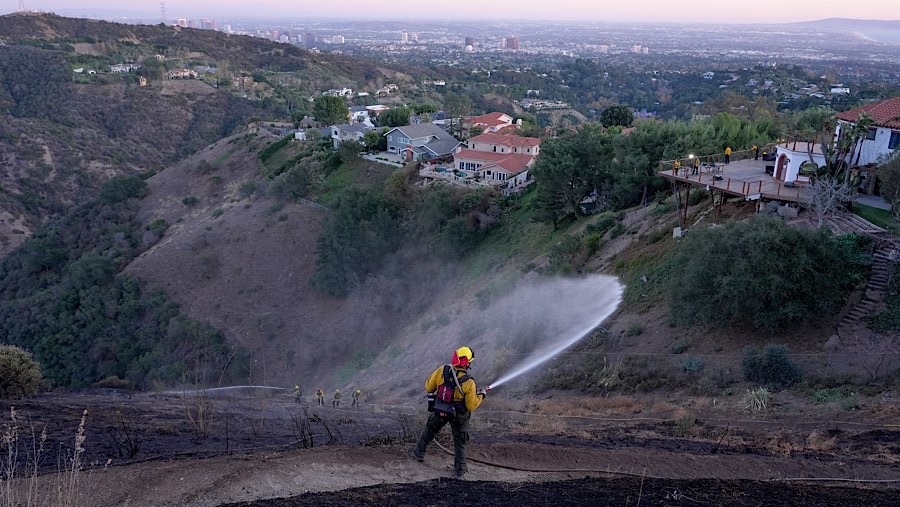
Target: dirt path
x=368 y=449
x=216 y=481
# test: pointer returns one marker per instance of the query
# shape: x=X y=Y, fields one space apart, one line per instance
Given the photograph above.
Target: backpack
x=444 y=405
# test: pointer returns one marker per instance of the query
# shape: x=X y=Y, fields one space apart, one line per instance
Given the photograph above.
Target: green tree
x=618 y=115
x=330 y=110
x=20 y=375
x=396 y=117
x=569 y=169
x=458 y=106
x=153 y=68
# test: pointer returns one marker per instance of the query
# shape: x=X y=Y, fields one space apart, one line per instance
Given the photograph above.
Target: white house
x=353 y=132
x=491 y=122
x=882 y=141
x=884 y=136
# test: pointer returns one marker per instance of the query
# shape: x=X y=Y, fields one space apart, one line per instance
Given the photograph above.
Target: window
x=870 y=134
x=895 y=141
x=389 y=138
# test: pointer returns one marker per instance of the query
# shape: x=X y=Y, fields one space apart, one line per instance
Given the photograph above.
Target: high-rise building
x=512 y=42
x=183 y=23
x=414 y=37
x=636 y=48
x=227 y=29
x=604 y=49
x=470 y=41
x=337 y=39
x=404 y=37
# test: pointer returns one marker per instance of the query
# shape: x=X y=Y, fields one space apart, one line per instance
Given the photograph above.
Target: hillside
x=69 y=124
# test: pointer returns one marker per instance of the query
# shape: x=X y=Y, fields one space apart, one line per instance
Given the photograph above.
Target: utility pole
x=21 y=5
x=162 y=10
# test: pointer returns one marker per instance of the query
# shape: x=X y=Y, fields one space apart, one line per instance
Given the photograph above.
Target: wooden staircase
x=873 y=300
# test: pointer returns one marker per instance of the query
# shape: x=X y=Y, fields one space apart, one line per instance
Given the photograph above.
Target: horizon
x=693 y=11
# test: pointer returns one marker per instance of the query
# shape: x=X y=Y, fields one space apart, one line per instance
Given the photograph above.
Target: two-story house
x=500 y=158
x=353 y=132
x=424 y=141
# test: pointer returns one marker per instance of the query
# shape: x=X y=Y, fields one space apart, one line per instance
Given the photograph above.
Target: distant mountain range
x=846 y=24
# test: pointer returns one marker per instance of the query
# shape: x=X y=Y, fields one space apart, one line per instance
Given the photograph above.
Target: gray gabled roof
x=442 y=147
x=423 y=130
x=354 y=127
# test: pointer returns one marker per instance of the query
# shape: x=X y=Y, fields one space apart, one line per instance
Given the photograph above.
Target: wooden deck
x=745 y=178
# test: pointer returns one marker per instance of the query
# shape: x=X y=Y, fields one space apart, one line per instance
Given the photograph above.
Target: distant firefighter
x=320 y=397
x=356 y=394
x=336 y=402
x=298 y=394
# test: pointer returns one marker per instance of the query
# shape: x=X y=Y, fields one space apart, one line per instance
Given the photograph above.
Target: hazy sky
x=698 y=11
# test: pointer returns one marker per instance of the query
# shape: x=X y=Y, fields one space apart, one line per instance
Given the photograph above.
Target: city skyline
x=656 y=11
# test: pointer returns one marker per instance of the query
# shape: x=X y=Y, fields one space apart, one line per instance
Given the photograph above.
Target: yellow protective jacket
x=469 y=390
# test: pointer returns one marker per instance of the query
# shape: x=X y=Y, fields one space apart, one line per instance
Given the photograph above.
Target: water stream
x=569 y=310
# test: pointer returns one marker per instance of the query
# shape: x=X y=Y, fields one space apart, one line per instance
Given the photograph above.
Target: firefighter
x=356 y=394
x=298 y=394
x=464 y=400
x=336 y=402
x=320 y=397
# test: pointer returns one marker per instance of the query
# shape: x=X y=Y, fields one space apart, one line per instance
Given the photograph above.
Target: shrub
x=20 y=374
x=190 y=201
x=772 y=368
x=121 y=188
x=760 y=273
x=693 y=364
x=680 y=347
x=698 y=196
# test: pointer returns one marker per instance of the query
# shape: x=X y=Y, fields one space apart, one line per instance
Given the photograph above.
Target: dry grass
x=544 y=426
x=783 y=443
x=820 y=441
x=598 y=407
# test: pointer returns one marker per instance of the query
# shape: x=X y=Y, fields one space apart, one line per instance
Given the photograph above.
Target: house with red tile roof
x=499 y=159
x=884 y=136
x=882 y=141
x=491 y=122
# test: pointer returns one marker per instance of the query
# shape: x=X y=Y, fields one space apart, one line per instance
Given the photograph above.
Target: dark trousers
x=727 y=159
x=459 y=425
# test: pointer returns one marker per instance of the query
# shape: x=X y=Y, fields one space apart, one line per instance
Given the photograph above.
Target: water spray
x=607 y=298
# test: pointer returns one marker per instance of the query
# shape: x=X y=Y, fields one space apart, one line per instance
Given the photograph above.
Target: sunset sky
x=698 y=11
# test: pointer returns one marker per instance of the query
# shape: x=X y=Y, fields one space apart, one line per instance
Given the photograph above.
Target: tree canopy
x=617 y=115
x=330 y=110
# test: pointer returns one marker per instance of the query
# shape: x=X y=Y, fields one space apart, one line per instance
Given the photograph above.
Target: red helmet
x=462 y=356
